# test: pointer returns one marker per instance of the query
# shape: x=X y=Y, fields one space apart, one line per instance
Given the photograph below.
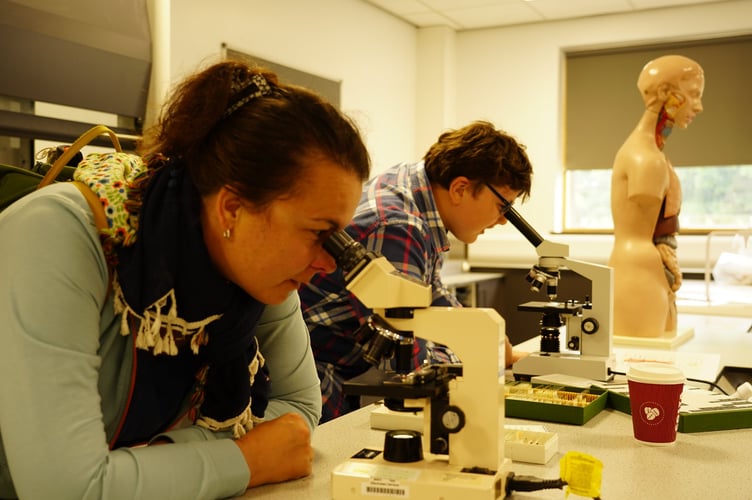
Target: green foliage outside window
x=712 y=198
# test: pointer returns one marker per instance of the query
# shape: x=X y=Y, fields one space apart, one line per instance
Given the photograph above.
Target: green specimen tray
x=549 y=403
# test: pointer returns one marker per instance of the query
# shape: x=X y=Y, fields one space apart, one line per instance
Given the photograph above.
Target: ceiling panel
x=473 y=14
x=494 y=15
x=556 y=9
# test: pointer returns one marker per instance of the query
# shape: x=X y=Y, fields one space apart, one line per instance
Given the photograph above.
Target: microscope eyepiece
x=343 y=248
x=514 y=217
x=350 y=255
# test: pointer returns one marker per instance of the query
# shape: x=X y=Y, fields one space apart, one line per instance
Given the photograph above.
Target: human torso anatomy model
x=645 y=201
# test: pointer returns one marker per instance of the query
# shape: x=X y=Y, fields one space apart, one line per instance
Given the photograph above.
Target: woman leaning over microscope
x=181 y=325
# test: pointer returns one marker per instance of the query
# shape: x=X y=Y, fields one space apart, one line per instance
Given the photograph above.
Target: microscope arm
x=474 y=334
x=598 y=342
x=595 y=338
x=544 y=248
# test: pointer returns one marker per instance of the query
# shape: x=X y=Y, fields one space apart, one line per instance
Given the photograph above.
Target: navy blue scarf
x=202 y=318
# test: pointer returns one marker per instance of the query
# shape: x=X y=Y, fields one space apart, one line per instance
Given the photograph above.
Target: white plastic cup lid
x=655 y=373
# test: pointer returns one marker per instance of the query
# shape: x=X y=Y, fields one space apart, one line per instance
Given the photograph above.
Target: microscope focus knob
x=452 y=419
x=403 y=446
x=590 y=325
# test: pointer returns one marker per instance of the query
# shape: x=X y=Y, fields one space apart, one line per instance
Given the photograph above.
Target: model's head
x=470 y=169
x=277 y=167
x=675 y=83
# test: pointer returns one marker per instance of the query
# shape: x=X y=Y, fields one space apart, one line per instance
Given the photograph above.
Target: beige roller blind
x=603 y=104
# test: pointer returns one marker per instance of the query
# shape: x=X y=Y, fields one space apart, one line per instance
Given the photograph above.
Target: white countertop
x=727 y=336
x=699 y=465
x=700 y=297
x=713 y=465
x=452 y=274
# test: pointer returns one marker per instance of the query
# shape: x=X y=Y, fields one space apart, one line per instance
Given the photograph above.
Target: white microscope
x=589 y=324
x=461 y=451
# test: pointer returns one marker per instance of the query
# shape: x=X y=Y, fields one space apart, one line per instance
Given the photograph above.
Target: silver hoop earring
x=226 y=234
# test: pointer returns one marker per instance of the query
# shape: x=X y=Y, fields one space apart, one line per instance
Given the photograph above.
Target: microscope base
x=575 y=365
x=430 y=478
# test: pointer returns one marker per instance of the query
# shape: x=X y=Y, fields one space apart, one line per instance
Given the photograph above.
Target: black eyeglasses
x=506 y=205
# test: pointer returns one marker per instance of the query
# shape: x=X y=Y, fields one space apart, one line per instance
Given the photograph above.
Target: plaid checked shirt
x=397 y=218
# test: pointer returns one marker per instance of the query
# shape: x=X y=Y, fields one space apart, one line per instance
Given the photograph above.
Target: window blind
x=603 y=104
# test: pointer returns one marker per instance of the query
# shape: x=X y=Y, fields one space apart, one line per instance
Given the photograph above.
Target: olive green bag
x=16 y=182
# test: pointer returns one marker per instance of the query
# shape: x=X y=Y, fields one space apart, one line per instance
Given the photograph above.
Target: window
x=712 y=198
x=713 y=157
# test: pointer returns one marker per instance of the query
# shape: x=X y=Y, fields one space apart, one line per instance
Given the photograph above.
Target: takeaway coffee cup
x=654 y=397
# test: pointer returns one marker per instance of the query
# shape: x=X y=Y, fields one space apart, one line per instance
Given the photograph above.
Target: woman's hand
x=278 y=450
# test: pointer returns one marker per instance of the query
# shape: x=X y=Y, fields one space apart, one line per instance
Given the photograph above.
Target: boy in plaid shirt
x=405 y=215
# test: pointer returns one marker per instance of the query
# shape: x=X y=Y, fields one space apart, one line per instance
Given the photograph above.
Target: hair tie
x=245 y=89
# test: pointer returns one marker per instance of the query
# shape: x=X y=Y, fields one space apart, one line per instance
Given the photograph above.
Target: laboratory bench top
x=729 y=338
x=714 y=298
x=698 y=465
x=710 y=465
x=454 y=275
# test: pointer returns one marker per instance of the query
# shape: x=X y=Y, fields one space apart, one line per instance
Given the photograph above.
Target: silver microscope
x=460 y=453
x=588 y=325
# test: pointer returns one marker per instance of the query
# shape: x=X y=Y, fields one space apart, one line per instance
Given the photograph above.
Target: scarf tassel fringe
x=239 y=425
x=156 y=330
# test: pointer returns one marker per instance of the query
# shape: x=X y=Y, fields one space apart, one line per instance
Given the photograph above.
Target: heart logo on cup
x=651 y=413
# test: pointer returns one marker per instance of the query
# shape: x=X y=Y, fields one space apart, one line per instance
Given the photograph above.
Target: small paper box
x=530 y=446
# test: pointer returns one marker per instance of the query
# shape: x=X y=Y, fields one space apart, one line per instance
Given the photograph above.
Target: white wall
x=371 y=52
x=510 y=76
x=513 y=77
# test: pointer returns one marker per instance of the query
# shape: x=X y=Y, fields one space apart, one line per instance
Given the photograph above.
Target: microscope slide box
x=530 y=446
x=700 y=411
x=618 y=396
x=567 y=405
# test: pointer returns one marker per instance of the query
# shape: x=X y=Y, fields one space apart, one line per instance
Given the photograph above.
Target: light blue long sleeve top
x=65 y=371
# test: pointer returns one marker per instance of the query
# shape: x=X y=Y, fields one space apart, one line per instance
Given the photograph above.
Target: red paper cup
x=654 y=398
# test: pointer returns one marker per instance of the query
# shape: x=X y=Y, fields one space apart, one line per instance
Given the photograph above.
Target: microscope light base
x=575 y=365
x=430 y=478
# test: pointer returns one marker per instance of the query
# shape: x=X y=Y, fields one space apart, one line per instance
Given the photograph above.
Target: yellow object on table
x=583 y=473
